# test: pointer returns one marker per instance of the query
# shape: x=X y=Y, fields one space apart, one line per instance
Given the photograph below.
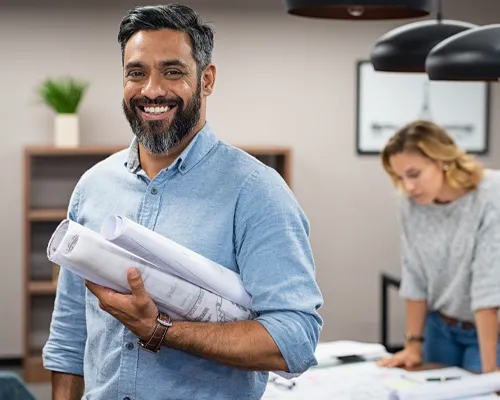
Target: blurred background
x=281 y=81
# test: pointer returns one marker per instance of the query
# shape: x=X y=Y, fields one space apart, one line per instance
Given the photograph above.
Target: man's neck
x=153 y=164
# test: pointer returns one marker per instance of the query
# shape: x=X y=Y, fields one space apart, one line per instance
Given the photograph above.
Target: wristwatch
x=412 y=338
x=153 y=344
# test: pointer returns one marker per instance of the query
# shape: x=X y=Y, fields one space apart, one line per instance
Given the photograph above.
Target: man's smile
x=153 y=113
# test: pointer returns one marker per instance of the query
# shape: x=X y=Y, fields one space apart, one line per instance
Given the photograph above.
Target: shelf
x=56 y=214
x=266 y=150
x=41 y=287
x=73 y=151
x=34 y=372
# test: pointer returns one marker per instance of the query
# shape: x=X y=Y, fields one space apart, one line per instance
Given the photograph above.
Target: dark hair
x=171 y=16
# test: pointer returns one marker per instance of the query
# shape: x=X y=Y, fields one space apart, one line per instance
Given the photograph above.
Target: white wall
x=281 y=80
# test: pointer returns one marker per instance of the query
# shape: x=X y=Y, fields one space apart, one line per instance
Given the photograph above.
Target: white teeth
x=156 y=110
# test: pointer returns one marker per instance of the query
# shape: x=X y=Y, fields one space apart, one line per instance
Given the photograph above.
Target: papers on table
x=343 y=382
x=468 y=386
x=437 y=375
x=328 y=353
x=365 y=380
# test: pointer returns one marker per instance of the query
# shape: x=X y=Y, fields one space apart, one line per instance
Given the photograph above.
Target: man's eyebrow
x=173 y=63
x=163 y=64
x=135 y=64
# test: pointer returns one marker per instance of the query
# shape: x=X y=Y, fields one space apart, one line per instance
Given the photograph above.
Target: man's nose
x=155 y=87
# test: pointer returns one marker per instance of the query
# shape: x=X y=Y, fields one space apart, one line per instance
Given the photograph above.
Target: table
x=356 y=381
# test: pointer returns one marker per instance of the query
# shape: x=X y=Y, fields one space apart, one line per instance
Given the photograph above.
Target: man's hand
x=136 y=311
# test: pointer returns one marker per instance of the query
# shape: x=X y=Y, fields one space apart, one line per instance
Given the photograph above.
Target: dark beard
x=153 y=135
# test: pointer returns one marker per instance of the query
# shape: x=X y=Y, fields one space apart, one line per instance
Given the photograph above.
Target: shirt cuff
x=296 y=343
x=59 y=360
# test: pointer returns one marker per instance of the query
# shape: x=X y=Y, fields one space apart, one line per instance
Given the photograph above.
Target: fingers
x=391 y=362
x=106 y=296
x=96 y=289
x=136 y=284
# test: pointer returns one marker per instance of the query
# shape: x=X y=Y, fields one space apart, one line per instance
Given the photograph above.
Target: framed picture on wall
x=388 y=100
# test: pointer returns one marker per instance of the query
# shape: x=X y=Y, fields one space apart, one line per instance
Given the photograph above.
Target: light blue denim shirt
x=221 y=202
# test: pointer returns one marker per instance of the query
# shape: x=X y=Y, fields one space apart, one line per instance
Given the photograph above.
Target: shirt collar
x=194 y=152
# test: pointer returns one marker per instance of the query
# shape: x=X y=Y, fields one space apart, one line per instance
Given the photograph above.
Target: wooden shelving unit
x=50 y=176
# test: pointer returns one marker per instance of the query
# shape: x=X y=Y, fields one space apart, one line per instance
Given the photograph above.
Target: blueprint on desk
x=359 y=381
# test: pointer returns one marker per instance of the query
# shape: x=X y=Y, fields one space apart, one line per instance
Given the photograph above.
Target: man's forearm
x=67 y=386
x=243 y=344
x=416 y=312
x=487 y=330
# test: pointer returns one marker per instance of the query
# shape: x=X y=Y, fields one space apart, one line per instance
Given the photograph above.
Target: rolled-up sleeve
x=485 y=288
x=277 y=267
x=64 y=350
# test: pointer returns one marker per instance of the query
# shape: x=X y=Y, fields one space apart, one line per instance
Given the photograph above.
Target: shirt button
x=129 y=346
x=154 y=191
x=126 y=398
x=183 y=167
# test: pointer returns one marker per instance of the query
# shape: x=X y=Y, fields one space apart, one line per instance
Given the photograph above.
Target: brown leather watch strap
x=154 y=343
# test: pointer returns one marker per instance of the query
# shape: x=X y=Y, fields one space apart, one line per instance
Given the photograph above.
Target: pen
x=442 y=378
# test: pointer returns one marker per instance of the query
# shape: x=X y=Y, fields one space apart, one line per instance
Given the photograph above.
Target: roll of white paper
x=175 y=259
x=92 y=257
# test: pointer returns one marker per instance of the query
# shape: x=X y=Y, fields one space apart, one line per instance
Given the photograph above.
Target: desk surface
x=342 y=382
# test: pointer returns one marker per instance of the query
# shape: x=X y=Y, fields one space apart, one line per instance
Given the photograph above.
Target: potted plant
x=64 y=96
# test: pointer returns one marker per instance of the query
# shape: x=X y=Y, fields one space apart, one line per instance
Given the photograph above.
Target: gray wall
x=281 y=80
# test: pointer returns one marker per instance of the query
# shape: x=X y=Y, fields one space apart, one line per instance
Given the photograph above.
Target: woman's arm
x=416 y=312
x=487 y=331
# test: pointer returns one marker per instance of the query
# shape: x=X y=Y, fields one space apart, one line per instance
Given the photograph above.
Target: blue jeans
x=452 y=345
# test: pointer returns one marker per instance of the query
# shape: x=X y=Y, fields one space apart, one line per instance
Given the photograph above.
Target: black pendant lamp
x=359 y=9
x=469 y=56
x=405 y=49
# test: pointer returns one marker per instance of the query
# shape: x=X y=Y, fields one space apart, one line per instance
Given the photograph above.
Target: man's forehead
x=164 y=43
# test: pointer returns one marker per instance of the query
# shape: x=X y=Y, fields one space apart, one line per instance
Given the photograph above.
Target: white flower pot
x=66 y=130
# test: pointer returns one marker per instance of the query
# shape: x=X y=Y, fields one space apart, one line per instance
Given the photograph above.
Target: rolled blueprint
x=92 y=257
x=175 y=258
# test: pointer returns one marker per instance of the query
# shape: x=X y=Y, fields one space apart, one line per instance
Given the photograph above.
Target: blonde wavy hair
x=432 y=141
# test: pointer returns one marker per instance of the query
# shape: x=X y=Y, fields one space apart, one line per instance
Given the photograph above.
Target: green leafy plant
x=63 y=95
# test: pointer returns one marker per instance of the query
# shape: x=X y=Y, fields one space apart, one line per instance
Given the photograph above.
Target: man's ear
x=208 y=80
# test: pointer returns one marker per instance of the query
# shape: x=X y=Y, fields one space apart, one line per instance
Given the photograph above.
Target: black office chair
x=13 y=388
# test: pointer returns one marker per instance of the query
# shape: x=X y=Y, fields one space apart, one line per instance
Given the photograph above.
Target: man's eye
x=414 y=175
x=135 y=74
x=173 y=73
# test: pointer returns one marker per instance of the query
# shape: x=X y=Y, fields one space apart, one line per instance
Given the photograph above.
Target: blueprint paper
x=175 y=258
x=92 y=257
x=470 y=387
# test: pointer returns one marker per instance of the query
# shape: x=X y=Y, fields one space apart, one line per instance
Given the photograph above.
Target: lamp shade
x=473 y=55
x=359 y=9
x=405 y=49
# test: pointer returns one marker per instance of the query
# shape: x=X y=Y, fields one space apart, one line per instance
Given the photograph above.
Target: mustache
x=158 y=101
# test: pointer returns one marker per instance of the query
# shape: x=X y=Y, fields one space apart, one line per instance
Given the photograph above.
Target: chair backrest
x=13 y=388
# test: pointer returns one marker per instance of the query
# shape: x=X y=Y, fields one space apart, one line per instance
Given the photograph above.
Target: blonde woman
x=451 y=244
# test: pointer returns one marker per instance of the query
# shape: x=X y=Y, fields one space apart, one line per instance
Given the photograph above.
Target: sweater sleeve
x=485 y=286
x=413 y=277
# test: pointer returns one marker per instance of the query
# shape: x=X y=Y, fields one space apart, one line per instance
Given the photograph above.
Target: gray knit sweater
x=451 y=252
